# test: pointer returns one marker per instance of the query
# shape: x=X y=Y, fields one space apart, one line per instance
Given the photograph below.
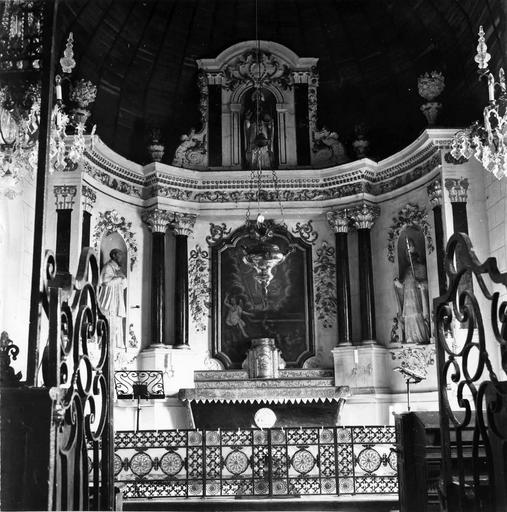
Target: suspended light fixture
x=19 y=125
x=263 y=255
x=487 y=142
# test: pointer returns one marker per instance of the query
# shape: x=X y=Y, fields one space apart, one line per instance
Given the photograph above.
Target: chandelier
x=487 y=142
x=263 y=255
x=20 y=102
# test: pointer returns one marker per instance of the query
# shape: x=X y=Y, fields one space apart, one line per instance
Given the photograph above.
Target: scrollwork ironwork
x=77 y=369
x=472 y=395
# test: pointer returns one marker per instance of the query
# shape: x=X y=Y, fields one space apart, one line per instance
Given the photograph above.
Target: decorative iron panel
x=472 y=368
x=253 y=462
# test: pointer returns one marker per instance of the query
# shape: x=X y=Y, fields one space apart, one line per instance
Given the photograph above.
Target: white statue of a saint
x=111 y=297
x=412 y=295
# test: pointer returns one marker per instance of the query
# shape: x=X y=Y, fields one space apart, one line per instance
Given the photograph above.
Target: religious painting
x=243 y=310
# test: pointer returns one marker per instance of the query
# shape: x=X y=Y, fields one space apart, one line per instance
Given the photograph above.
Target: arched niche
x=411 y=286
x=274 y=68
x=259 y=118
x=114 y=240
x=286 y=314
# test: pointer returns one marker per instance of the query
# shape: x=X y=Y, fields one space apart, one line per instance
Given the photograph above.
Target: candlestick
x=491 y=87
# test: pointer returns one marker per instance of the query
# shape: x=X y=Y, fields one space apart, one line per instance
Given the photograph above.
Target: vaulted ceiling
x=142 y=56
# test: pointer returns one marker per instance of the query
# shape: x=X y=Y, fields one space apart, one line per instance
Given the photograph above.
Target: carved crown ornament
x=409 y=215
x=110 y=222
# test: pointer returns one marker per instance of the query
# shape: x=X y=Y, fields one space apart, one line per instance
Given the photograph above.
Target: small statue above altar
x=258 y=126
x=263 y=359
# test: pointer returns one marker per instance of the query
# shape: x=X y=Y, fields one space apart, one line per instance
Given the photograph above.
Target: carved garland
x=409 y=215
x=199 y=289
x=111 y=222
x=325 y=284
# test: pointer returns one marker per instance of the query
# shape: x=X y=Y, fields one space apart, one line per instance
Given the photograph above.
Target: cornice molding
x=165 y=182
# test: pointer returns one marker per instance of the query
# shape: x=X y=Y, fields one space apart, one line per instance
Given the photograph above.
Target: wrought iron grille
x=472 y=365
x=77 y=370
x=139 y=383
x=253 y=462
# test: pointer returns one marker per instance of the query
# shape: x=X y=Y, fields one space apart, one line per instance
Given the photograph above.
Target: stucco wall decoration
x=199 y=289
x=306 y=232
x=110 y=222
x=409 y=215
x=325 y=285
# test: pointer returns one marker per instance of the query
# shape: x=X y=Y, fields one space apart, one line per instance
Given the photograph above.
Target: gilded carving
x=306 y=232
x=88 y=198
x=158 y=219
x=409 y=215
x=364 y=215
x=193 y=150
x=183 y=223
x=339 y=220
x=217 y=232
x=325 y=284
x=435 y=192
x=457 y=188
x=64 y=195
x=199 y=288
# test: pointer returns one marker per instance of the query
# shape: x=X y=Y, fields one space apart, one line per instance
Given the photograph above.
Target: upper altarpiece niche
x=257 y=89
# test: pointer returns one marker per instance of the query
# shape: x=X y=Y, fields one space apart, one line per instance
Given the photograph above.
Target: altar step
x=303 y=504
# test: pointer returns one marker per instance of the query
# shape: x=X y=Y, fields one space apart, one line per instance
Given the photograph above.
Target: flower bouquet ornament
x=82 y=94
x=431 y=85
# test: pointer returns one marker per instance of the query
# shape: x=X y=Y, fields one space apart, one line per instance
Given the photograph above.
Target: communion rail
x=277 y=462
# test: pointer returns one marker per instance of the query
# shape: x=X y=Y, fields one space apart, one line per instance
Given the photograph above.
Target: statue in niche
x=111 y=297
x=258 y=129
x=412 y=289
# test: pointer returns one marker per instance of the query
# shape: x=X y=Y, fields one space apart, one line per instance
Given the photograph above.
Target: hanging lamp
x=263 y=255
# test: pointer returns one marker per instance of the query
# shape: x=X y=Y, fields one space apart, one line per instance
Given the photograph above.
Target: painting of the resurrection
x=243 y=311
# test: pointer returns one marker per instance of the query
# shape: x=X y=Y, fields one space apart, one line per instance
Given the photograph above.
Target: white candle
x=356 y=356
x=491 y=87
x=58 y=89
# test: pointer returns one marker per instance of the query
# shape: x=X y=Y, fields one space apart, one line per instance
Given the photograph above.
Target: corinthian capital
x=184 y=223
x=88 y=198
x=364 y=215
x=64 y=195
x=158 y=219
x=339 y=220
x=457 y=189
x=435 y=192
